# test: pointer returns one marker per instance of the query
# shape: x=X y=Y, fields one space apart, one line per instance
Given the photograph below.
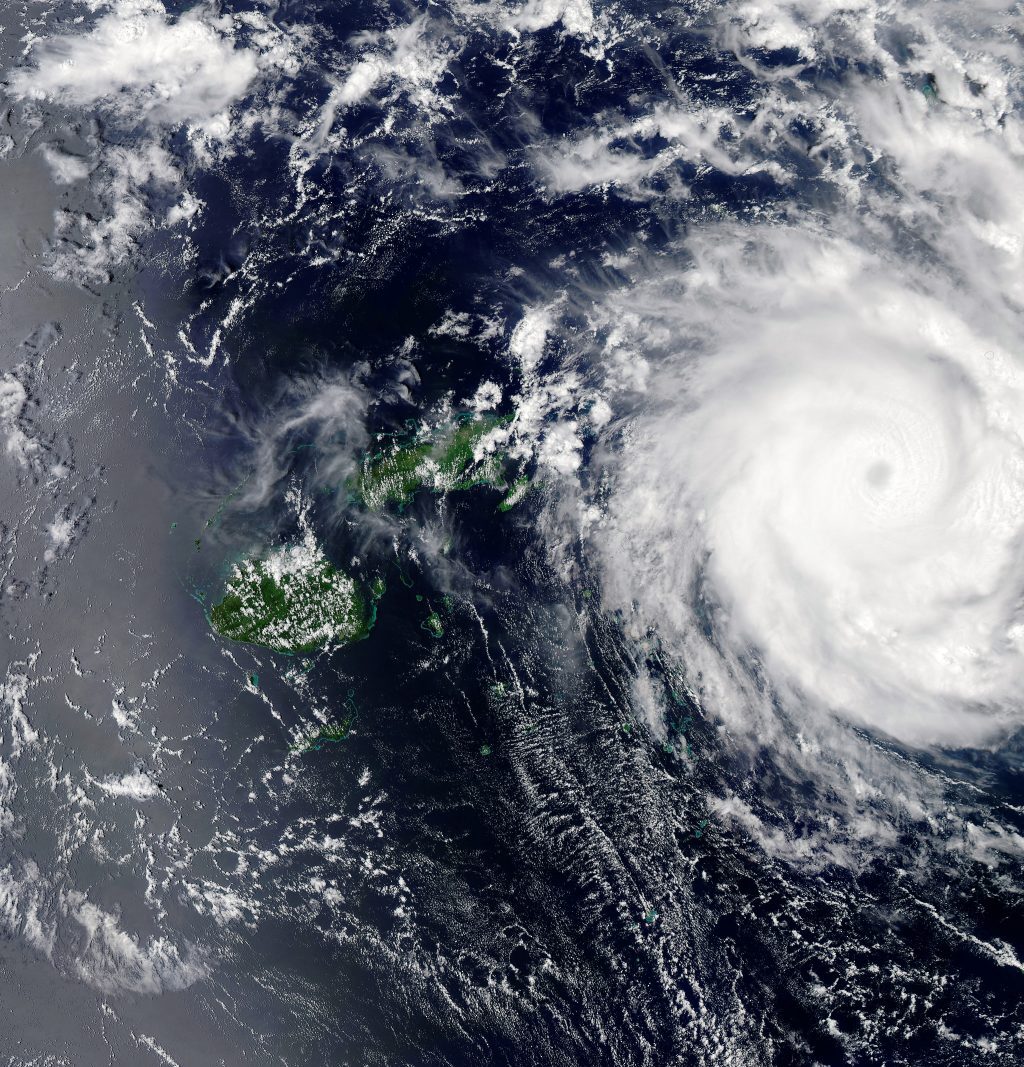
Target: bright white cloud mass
x=837 y=482
x=141 y=63
x=151 y=72
x=807 y=485
x=820 y=488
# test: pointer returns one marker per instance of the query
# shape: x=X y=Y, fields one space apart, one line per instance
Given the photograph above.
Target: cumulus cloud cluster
x=118 y=962
x=150 y=73
x=144 y=65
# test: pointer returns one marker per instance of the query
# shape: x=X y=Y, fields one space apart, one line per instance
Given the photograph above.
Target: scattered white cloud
x=140 y=63
x=65 y=168
x=224 y=906
x=625 y=154
x=150 y=73
x=398 y=72
x=136 y=786
x=544 y=427
x=23 y=908
x=18 y=441
x=575 y=16
x=116 y=961
x=486 y=398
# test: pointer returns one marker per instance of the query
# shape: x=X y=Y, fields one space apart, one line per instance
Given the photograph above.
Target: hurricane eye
x=879 y=474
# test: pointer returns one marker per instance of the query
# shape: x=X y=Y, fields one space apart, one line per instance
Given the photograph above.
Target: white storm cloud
x=838 y=467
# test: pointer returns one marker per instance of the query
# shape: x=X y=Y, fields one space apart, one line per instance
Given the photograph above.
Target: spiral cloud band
x=838 y=500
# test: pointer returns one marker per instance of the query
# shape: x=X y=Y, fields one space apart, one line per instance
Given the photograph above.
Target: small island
x=291 y=600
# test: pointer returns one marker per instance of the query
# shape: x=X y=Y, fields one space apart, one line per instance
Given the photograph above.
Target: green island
x=443 y=460
x=516 y=491
x=331 y=734
x=292 y=600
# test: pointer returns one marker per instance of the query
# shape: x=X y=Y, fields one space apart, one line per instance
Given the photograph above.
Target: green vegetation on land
x=516 y=491
x=292 y=600
x=443 y=461
x=331 y=734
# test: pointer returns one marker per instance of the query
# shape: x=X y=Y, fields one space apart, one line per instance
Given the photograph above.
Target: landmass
x=443 y=460
x=292 y=600
x=516 y=491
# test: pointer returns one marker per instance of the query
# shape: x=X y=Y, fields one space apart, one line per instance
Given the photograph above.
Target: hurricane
x=836 y=488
